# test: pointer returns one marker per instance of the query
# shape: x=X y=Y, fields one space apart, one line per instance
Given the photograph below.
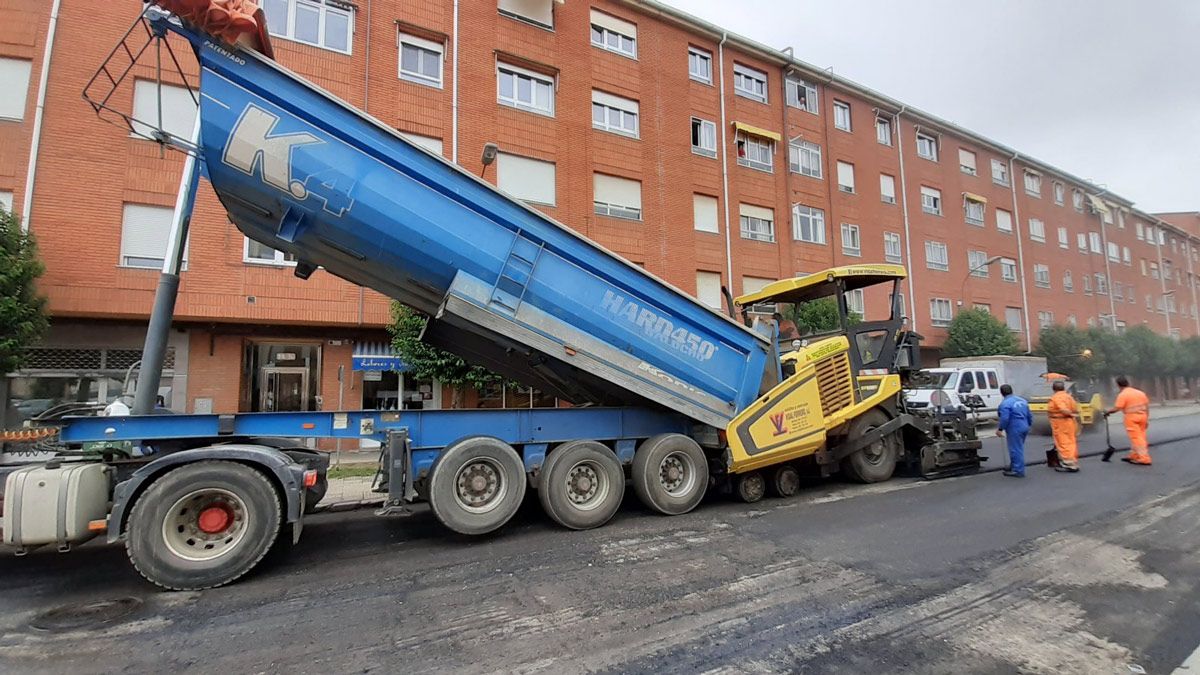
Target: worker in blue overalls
x=1015 y=420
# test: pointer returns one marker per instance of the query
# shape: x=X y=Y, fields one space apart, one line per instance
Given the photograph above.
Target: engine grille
x=833 y=382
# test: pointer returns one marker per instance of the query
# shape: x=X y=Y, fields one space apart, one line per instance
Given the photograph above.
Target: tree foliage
x=23 y=317
x=428 y=362
x=816 y=316
x=974 y=332
x=1138 y=353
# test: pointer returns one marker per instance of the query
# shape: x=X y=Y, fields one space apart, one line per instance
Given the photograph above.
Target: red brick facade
x=88 y=169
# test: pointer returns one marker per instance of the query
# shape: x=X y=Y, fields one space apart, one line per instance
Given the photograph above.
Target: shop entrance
x=283 y=389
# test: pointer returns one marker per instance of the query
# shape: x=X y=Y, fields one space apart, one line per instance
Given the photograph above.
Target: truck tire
x=203 y=525
x=785 y=481
x=876 y=462
x=476 y=485
x=581 y=485
x=670 y=474
x=750 y=487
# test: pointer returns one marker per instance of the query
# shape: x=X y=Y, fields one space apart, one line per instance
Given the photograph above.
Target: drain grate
x=86 y=616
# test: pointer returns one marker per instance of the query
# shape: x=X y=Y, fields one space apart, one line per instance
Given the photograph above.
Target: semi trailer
x=667 y=395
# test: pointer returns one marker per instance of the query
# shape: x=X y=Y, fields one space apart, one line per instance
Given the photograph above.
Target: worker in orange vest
x=1063 y=410
x=1136 y=406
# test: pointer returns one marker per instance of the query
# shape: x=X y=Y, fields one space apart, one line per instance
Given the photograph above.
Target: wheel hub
x=582 y=483
x=205 y=524
x=215 y=519
x=671 y=473
x=478 y=484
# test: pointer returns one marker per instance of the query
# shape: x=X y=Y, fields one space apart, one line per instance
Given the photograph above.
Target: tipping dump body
x=508 y=287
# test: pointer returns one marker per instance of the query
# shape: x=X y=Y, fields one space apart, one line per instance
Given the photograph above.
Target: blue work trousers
x=1015 y=438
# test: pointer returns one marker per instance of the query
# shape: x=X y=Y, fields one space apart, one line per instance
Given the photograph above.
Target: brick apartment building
x=703 y=156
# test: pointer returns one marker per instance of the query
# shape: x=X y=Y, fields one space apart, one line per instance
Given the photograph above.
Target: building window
x=6 y=201
x=1101 y=284
x=708 y=289
x=891 y=248
x=1033 y=183
x=1068 y=282
x=525 y=89
x=1037 y=230
x=530 y=180
x=973 y=209
x=937 y=256
x=983 y=307
x=704 y=137
x=1096 y=244
x=801 y=94
x=757 y=223
x=1118 y=291
x=841 y=115
x=1064 y=240
x=887 y=189
x=14 y=82
x=883 y=131
x=1126 y=256
x=1060 y=192
x=613 y=34
x=1004 y=221
x=898 y=298
x=1045 y=319
x=855 y=303
x=999 y=172
x=1140 y=230
x=845 y=172
x=1081 y=242
x=941 y=312
x=756 y=153
x=615 y=114
x=537 y=12
x=700 y=65
x=321 y=23
x=808 y=224
x=704 y=213
x=145 y=231
x=1008 y=270
x=1041 y=276
x=1071 y=321
x=617 y=197
x=178 y=110
x=931 y=200
x=749 y=83
x=851 y=240
x=430 y=143
x=977 y=264
x=1087 y=284
x=1012 y=318
x=927 y=146
x=1077 y=200
x=421 y=61
x=1114 y=252
x=966 y=162
x=261 y=254
x=805 y=158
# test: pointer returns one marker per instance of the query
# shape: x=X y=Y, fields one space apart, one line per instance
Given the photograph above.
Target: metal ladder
x=509 y=290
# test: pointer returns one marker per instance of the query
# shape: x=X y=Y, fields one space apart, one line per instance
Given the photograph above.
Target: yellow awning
x=975 y=198
x=1099 y=205
x=755 y=131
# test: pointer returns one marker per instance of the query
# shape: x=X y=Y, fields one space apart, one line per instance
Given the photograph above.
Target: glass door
x=283 y=389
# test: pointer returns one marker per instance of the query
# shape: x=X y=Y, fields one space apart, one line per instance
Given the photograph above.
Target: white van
x=947 y=386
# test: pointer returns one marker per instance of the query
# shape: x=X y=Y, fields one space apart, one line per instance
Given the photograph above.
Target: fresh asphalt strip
x=1096 y=453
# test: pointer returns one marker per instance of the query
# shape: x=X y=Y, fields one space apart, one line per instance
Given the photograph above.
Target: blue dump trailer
x=668 y=395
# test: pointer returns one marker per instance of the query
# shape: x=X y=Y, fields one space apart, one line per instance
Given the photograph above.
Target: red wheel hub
x=215 y=519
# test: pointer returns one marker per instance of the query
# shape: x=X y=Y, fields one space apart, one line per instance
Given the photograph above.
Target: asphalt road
x=1087 y=573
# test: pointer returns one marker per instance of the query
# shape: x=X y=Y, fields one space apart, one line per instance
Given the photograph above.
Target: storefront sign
x=372 y=375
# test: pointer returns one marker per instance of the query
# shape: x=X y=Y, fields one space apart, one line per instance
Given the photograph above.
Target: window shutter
x=430 y=143
x=529 y=179
x=704 y=210
x=144 y=231
x=613 y=23
x=754 y=284
x=178 y=109
x=540 y=11
x=14 y=82
x=845 y=174
x=617 y=102
x=708 y=289
x=618 y=191
x=751 y=211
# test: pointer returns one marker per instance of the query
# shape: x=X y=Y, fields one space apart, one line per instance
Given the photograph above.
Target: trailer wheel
x=581 y=485
x=203 y=525
x=750 y=487
x=476 y=485
x=670 y=474
x=876 y=462
x=785 y=481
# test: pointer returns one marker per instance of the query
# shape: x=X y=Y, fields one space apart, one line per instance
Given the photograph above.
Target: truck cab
x=949 y=388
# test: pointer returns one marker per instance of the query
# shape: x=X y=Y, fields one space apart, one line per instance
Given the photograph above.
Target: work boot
x=1013 y=474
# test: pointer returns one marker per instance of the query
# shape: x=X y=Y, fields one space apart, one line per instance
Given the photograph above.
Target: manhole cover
x=90 y=615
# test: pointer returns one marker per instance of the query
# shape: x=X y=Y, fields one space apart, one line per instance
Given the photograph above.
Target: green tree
x=816 y=316
x=22 y=311
x=1063 y=346
x=428 y=362
x=975 y=332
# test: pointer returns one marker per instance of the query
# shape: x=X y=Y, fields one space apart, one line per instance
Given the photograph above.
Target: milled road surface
x=1091 y=573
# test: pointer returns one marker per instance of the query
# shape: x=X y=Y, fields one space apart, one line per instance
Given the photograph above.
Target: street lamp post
x=962 y=292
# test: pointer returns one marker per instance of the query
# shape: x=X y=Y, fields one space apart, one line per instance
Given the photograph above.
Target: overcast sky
x=1108 y=90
